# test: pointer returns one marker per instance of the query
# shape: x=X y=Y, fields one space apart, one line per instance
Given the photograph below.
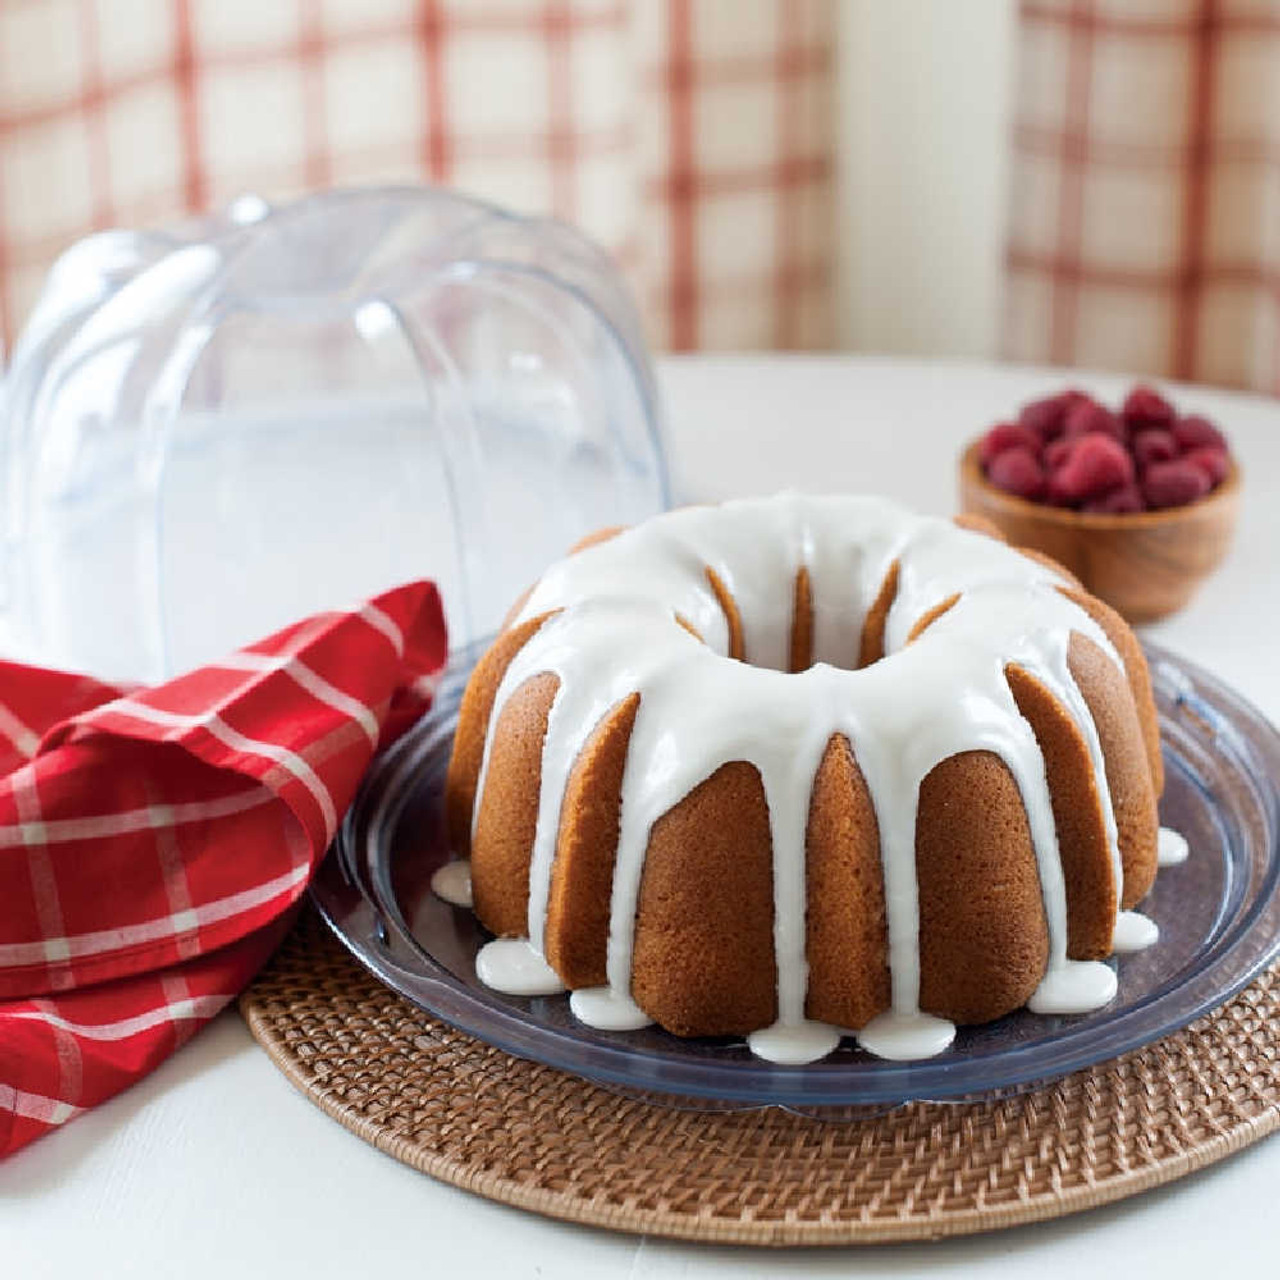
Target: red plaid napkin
x=152 y=842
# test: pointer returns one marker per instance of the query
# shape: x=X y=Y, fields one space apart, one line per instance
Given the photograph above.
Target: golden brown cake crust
x=931 y=616
x=871 y=648
x=732 y=618
x=1133 y=797
x=473 y=727
x=801 y=649
x=577 y=929
x=508 y=816
x=846 y=927
x=704 y=962
x=594 y=539
x=1126 y=644
x=1092 y=895
x=984 y=942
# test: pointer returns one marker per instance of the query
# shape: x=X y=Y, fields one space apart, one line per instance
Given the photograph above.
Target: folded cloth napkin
x=153 y=842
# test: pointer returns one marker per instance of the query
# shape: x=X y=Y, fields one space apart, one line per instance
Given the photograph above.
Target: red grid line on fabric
x=317 y=168
x=785 y=223
x=797 y=277
x=682 y=175
x=561 y=143
x=1031 y=139
x=1071 y=183
x=795 y=62
x=184 y=71
x=437 y=154
x=791 y=172
x=1094 y=19
x=1243 y=274
x=1196 y=194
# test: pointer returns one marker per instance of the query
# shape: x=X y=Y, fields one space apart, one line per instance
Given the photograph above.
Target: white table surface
x=214 y=1164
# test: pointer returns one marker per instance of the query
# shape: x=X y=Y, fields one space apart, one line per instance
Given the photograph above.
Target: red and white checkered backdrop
x=691 y=137
x=1145 y=223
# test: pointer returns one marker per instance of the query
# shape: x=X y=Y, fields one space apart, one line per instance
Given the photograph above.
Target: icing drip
x=939 y=695
x=452 y=882
x=1172 y=848
x=904 y=1036
x=1134 y=932
x=1075 y=987
x=606 y=1010
x=512 y=966
x=795 y=1043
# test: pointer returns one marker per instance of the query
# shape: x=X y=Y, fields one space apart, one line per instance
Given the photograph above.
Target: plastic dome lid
x=212 y=431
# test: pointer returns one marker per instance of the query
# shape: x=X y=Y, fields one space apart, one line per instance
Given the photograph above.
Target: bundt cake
x=794 y=766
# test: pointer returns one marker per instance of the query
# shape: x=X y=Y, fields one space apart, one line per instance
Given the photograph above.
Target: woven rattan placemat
x=535 y=1137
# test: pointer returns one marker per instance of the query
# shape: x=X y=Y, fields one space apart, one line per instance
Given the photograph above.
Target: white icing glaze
x=512 y=966
x=452 y=882
x=607 y=1010
x=942 y=694
x=1134 y=932
x=1075 y=987
x=903 y=1037
x=1172 y=848
x=794 y=1044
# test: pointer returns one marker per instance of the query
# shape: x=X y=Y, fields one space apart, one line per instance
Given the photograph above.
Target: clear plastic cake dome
x=210 y=431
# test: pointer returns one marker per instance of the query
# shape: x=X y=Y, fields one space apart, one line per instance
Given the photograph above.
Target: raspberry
x=1174 y=484
x=1122 y=501
x=1055 y=495
x=1097 y=463
x=1056 y=452
x=1153 y=446
x=1046 y=417
x=1008 y=435
x=1213 y=462
x=1087 y=416
x=1017 y=471
x=1146 y=407
x=1192 y=432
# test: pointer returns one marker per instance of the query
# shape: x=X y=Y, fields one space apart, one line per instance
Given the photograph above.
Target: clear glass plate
x=1219 y=918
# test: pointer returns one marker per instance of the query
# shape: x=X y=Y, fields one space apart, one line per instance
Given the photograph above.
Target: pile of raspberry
x=1071 y=451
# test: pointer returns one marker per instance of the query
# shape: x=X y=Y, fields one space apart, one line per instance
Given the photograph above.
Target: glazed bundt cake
x=788 y=766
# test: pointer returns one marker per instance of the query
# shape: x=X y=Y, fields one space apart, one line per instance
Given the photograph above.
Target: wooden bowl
x=1146 y=565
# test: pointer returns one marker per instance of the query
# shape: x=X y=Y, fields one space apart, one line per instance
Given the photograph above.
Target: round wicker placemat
x=534 y=1137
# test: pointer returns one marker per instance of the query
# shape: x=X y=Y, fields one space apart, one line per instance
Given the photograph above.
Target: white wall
x=924 y=98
